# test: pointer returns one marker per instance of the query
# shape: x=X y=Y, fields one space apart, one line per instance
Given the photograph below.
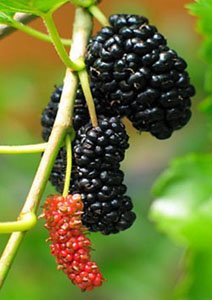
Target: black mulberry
x=140 y=76
x=81 y=115
x=97 y=153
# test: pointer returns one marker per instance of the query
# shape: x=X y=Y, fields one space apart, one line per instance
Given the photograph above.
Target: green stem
x=22 y=149
x=81 y=33
x=26 y=222
x=65 y=42
x=76 y=65
x=68 y=166
x=98 y=14
x=24 y=18
x=84 y=80
x=9 y=254
x=37 y=34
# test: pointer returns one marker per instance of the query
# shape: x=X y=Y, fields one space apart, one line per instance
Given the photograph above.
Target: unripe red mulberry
x=69 y=244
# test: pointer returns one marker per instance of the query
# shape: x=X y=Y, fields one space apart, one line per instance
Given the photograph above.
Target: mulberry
x=97 y=154
x=81 y=115
x=69 y=243
x=140 y=76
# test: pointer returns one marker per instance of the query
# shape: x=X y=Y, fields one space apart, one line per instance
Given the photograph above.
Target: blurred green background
x=139 y=263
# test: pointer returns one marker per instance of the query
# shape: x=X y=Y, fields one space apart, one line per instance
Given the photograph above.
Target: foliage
x=183 y=205
x=36 y=7
x=203 y=10
x=183 y=208
x=184 y=190
x=6 y=17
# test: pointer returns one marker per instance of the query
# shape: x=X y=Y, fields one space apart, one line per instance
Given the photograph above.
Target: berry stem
x=98 y=14
x=84 y=80
x=25 y=222
x=23 y=149
x=75 y=65
x=81 y=33
x=37 y=34
x=68 y=166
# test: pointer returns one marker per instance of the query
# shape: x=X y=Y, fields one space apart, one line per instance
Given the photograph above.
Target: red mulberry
x=69 y=244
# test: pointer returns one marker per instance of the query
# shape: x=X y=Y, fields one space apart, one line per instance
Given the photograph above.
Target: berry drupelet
x=140 y=76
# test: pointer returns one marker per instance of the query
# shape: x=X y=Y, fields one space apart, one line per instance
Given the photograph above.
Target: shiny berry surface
x=96 y=175
x=140 y=76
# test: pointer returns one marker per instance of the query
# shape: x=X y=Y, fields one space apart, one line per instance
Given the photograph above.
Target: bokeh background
x=140 y=263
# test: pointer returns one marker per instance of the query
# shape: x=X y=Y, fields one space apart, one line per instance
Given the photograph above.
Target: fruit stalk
x=68 y=165
x=84 y=80
x=81 y=33
x=98 y=14
x=75 y=65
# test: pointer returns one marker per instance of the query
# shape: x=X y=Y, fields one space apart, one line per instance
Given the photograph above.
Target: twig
x=5 y=30
x=23 y=149
x=26 y=222
x=81 y=33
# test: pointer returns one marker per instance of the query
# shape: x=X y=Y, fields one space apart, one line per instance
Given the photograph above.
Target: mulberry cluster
x=140 y=76
x=81 y=115
x=95 y=171
x=133 y=74
x=69 y=244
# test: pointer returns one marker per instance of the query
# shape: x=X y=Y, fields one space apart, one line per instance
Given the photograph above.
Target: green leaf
x=83 y=3
x=206 y=49
x=200 y=7
x=195 y=278
x=206 y=106
x=36 y=7
x=183 y=208
x=208 y=80
x=6 y=18
x=200 y=276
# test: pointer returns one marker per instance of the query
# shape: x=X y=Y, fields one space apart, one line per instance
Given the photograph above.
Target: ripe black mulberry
x=81 y=115
x=96 y=175
x=140 y=76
